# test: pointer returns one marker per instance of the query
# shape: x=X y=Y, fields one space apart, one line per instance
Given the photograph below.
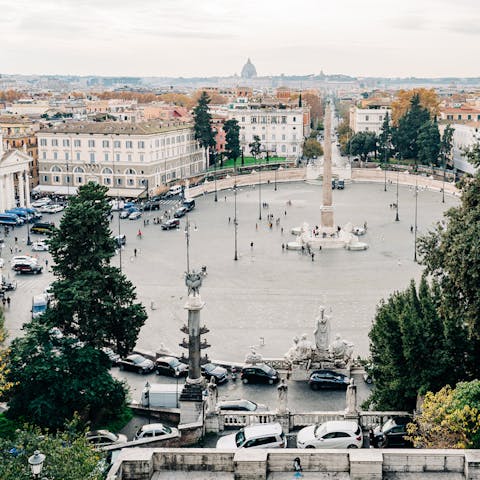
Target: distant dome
x=249 y=70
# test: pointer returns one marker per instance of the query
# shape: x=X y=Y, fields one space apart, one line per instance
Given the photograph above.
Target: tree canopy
x=362 y=144
x=203 y=123
x=232 y=139
x=429 y=143
x=312 y=148
x=428 y=99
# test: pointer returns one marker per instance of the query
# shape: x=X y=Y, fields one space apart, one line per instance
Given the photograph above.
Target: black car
x=260 y=373
x=219 y=373
x=180 y=212
x=392 y=434
x=42 y=228
x=136 y=363
x=242 y=406
x=150 y=205
x=327 y=379
x=28 y=268
x=171 y=224
x=170 y=366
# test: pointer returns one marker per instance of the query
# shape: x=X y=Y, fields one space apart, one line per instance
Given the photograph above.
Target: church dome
x=249 y=70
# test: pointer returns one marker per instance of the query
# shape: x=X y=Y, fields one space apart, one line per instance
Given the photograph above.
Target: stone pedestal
x=366 y=464
x=191 y=403
x=194 y=305
x=250 y=464
x=472 y=465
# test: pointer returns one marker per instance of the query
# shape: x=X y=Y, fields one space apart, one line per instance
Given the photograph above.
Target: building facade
x=281 y=130
x=464 y=136
x=128 y=158
x=368 y=119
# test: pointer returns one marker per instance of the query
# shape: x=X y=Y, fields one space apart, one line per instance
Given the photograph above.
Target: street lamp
x=276 y=179
x=396 y=215
x=36 y=463
x=235 y=221
x=187 y=237
x=259 y=192
x=385 y=167
x=29 y=240
x=147 y=396
x=444 y=174
x=215 y=174
x=415 y=231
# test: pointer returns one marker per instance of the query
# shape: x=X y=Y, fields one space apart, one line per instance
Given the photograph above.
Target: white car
x=40 y=246
x=52 y=208
x=134 y=215
x=154 y=430
x=333 y=434
x=104 y=438
x=19 y=259
x=262 y=435
x=41 y=202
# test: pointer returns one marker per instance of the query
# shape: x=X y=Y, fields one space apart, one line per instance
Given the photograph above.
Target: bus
x=10 y=219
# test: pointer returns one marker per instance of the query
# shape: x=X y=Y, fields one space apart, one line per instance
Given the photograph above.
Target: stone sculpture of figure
x=322 y=332
x=341 y=350
x=253 y=357
x=292 y=353
x=305 y=348
x=212 y=395
x=193 y=281
x=351 y=397
x=282 y=390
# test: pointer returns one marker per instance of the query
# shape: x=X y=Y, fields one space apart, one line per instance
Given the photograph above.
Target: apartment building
x=368 y=119
x=127 y=158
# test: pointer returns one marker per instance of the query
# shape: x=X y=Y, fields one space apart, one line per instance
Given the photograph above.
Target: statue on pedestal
x=282 y=390
x=253 y=357
x=212 y=395
x=351 y=397
x=322 y=332
x=193 y=281
x=341 y=351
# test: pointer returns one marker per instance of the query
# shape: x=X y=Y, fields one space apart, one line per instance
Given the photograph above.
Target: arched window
x=130 y=171
x=78 y=170
x=107 y=171
x=55 y=168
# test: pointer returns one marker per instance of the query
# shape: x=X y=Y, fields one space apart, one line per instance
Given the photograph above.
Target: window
x=56 y=169
x=77 y=143
x=67 y=156
x=294 y=119
x=273 y=137
x=43 y=142
x=284 y=119
x=92 y=157
x=44 y=155
x=78 y=170
x=119 y=181
x=55 y=155
x=366 y=118
x=283 y=137
x=141 y=157
x=56 y=178
x=141 y=144
x=105 y=143
x=105 y=156
x=130 y=182
x=77 y=156
x=117 y=144
x=263 y=136
x=107 y=181
x=117 y=157
x=68 y=179
x=54 y=142
x=107 y=171
x=79 y=179
x=91 y=143
x=129 y=144
x=45 y=178
x=274 y=120
x=254 y=120
x=66 y=142
x=129 y=157
x=284 y=148
x=294 y=149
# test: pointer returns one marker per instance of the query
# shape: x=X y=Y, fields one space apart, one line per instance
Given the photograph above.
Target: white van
x=162 y=395
x=39 y=305
x=175 y=190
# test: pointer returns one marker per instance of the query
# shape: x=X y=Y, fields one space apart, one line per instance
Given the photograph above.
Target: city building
x=461 y=113
x=19 y=133
x=249 y=70
x=128 y=158
x=281 y=129
x=14 y=178
x=368 y=119
x=464 y=136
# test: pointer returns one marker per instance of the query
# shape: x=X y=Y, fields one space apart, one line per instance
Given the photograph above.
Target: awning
x=57 y=189
x=125 y=192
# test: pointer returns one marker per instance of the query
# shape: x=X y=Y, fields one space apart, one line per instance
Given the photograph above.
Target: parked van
x=175 y=190
x=39 y=305
x=189 y=204
x=10 y=219
x=162 y=395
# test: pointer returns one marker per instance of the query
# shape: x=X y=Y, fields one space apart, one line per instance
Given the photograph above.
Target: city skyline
x=190 y=38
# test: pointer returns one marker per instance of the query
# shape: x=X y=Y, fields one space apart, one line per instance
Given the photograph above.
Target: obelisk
x=327 y=206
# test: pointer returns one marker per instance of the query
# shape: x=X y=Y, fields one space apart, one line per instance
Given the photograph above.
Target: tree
x=255 y=146
x=362 y=144
x=5 y=385
x=429 y=143
x=68 y=455
x=94 y=301
x=428 y=99
x=345 y=133
x=203 y=124
x=384 y=139
x=315 y=103
x=449 y=418
x=405 y=135
x=232 y=139
x=54 y=376
x=312 y=148
x=446 y=144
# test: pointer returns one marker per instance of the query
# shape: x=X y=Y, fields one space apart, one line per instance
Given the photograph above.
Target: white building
x=14 y=178
x=464 y=136
x=368 y=119
x=281 y=131
x=128 y=158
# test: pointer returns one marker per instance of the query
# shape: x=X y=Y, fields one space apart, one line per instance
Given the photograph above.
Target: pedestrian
x=411 y=228
x=281 y=230
x=283 y=246
x=46 y=264
x=371 y=438
x=11 y=250
x=285 y=213
x=144 y=223
x=134 y=252
x=229 y=219
x=313 y=256
x=8 y=302
x=139 y=234
x=225 y=198
x=4 y=301
x=251 y=244
x=16 y=239
x=256 y=226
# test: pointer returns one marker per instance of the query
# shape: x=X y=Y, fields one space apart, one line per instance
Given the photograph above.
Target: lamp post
x=276 y=179
x=385 y=168
x=396 y=214
x=36 y=463
x=444 y=174
x=29 y=240
x=147 y=396
x=415 y=231
x=215 y=174
x=235 y=221
x=259 y=192
x=187 y=237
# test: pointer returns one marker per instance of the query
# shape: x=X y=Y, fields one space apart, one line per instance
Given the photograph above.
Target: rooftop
x=145 y=128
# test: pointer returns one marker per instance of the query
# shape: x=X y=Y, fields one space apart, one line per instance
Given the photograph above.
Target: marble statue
x=322 y=331
x=292 y=354
x=305 y=348
x=212 y=395
x=341 y=351
x=193 y=281
x=253 y=357
x=282 y=390
x=351 y=397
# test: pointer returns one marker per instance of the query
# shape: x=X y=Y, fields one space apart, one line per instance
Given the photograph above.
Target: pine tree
x=429 y=143
x=203 y=124
x=384 y=138
x=232 y=139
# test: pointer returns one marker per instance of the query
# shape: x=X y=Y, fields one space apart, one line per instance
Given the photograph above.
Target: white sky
x=215 y=37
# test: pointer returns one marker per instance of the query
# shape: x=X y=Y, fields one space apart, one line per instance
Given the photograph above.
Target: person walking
x=4 y=301
x=139 y=234
x=251 y=244
x=46 y=264
x=8 y=302
x=134 y=252
x=313 y=256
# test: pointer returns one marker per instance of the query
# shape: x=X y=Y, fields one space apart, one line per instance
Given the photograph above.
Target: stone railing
x=298 y=420
x=374 y=419
x=231 y=419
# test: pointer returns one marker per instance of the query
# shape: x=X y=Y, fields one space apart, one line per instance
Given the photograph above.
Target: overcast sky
x=215 y=37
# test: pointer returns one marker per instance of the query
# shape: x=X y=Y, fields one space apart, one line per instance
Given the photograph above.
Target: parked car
x=260 y=373
x=104 y=438
x=327 y=379
x=150 y=205
x=125 y=213
x=154 y=430
x=42 y=228
x=18 y=259
x=189 y=204
x=210 y=370
x=28 y=268
x=52 y=208
x=41 y=202
x=171 y=224
x=135 y=215
x=136 y=363
x=333 y=434
x=242 y=406
x=180 y=212
x=170 y=366
x=392 y=434
x=40 y=246
x=265 y=435
x=120 y=240
x=114 y=357
x=340 y=184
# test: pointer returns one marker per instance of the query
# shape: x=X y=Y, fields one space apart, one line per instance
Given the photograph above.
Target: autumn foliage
x=428 y=99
